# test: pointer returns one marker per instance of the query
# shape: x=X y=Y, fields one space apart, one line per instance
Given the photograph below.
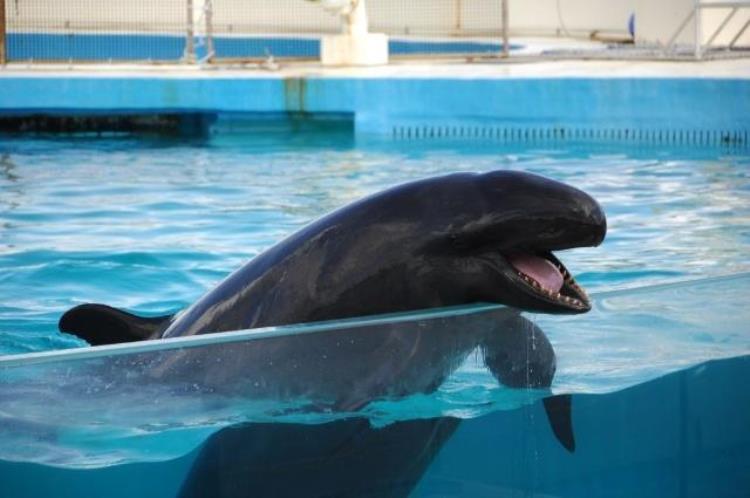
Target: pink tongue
x=539 y=269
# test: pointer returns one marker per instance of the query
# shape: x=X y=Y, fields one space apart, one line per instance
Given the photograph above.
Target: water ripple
x=150 y=223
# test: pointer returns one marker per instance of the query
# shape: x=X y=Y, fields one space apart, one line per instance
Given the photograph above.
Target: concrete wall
x=632 y=107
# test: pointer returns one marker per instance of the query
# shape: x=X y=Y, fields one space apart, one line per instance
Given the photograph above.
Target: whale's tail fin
x=100 y=324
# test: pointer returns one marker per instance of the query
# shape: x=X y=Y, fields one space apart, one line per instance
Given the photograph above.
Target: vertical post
x=208 y=16
x=3 y=57
x=739 y=35
x=457 y=17
x=721 y=27
x=189 y=55
x=506 y=43
x=698 y=33
x=356 y=23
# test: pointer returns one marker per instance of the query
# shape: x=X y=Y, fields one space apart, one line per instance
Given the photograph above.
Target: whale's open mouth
x=545 y=277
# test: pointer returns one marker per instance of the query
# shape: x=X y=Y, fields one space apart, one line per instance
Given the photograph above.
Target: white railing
x=695 y=15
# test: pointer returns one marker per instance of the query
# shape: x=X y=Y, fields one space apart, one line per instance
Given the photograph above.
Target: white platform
x=370 y=49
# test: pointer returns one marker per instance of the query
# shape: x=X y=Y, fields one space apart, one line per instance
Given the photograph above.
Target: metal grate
x=292 y=28
x=440 y=18
x=163 y=124
x=553 y=134
x=215 y=30
x=256 y=29
x=94 y=30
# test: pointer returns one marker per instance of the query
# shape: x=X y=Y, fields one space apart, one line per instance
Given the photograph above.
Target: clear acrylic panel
x=448 y=402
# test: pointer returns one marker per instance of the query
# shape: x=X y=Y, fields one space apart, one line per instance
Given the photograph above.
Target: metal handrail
x=189 y=54
x=2 y=33
x=695 y=15
x=506 y=43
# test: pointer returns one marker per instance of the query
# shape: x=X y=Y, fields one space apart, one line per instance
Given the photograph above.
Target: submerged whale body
x=442 y=241
x=351 y=458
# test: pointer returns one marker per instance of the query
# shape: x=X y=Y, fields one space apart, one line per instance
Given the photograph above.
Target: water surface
x=150 y=224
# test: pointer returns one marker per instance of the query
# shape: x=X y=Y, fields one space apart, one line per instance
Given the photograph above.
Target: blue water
x=149 y=224
x=121 y=407
x=45 y=46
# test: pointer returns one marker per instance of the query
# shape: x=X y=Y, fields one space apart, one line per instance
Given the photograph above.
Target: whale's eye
x=458 y=241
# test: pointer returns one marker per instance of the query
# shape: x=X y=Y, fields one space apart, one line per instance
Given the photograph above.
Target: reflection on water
x=7 y=168
x=10 y=191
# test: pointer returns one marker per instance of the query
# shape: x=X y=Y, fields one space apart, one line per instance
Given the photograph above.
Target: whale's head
x=498 y=235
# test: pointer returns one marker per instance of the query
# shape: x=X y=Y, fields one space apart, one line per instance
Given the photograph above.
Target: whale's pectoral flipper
x=560 y=418
x=519 y=354
x=100 y=324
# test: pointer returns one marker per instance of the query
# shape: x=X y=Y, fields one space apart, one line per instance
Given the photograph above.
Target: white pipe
x=698 y=28
x=356 y=22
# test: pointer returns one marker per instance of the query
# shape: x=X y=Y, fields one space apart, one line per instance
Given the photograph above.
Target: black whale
x=351 y=458
x=444 y=241
x=441 y=241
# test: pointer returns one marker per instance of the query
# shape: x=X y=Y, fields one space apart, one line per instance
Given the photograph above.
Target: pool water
x=149 y=224
x=118 y=406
